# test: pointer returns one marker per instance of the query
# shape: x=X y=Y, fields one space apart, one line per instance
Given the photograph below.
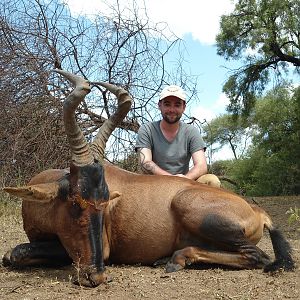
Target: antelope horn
x=124 y=104
x=80 y=151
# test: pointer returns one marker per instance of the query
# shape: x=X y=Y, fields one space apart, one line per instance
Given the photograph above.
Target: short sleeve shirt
x=174 y=156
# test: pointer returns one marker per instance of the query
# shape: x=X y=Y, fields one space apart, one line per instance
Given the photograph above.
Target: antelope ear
x=43 y=192
x=114 y=198
x=114 y=194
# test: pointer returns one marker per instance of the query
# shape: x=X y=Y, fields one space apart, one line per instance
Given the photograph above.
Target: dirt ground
x=139 y=282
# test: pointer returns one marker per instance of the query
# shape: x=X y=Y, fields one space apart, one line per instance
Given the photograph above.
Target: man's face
x=171 y=109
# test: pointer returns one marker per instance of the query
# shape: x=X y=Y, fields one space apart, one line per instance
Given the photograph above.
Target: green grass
x=294 y=215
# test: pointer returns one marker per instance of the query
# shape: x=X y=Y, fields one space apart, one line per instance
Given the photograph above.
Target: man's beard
x=171 y=120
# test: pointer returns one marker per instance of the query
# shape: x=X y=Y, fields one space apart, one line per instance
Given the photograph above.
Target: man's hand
x=181 y=175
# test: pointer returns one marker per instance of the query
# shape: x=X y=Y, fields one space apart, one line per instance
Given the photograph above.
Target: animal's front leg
x=39 y=253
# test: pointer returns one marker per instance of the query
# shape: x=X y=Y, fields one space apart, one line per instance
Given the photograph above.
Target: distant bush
x=294 y=215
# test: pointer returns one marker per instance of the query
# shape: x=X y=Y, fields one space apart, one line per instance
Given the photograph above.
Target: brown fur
x=150 y=217
x=155 y=214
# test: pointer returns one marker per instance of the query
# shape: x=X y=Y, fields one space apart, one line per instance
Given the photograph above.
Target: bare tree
x=37 y=36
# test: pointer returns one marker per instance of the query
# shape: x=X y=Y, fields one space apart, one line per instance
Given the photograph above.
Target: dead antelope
x=95 y=213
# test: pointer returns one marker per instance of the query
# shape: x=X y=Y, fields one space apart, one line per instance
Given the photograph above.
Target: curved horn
x=81 y=154
x=124 y=104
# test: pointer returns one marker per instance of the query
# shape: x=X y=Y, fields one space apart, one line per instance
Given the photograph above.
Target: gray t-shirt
x=174 y=156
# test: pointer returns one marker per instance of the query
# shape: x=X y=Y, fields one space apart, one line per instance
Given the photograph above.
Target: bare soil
x=140 y=282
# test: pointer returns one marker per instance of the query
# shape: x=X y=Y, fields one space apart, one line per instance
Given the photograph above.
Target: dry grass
x=140 y=282
x=10 y=209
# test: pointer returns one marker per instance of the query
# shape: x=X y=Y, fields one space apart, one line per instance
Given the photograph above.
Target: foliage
x=219 y=167
x=294 y=215
x=222 y=168
x=272 y=164
x=227 y=130
x=130 y=163
x=240 y=171
x=264 y=34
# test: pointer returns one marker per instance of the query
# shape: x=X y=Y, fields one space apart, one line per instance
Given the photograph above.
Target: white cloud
x=223 y=154
x=203 y=113
x=218 y=107
x=221 y=103
x=199 y=18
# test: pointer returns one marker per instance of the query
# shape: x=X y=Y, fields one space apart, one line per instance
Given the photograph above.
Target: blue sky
x=211 y=72
x=197 y=23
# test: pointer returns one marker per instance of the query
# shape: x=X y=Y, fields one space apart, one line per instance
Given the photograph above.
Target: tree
x=228 y=130
x=37 y=36
x=264 y=34
x=272 y=164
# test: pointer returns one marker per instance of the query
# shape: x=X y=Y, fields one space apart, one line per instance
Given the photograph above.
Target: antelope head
x=75 y=202
x=88 y=190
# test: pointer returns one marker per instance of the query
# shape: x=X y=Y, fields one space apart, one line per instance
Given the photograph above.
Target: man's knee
x=210 y=179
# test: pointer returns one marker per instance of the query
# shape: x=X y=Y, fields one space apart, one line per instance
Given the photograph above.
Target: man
x=166 y=146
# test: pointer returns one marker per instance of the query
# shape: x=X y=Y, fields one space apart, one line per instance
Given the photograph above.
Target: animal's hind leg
x=247 y=257
x=46 y=253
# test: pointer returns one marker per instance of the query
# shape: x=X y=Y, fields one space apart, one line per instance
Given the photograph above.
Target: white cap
x=173 y=90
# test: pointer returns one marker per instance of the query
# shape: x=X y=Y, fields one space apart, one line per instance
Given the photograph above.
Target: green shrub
x=294 y=215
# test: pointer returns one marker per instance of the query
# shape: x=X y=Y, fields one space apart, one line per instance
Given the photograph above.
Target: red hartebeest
x=95 y=212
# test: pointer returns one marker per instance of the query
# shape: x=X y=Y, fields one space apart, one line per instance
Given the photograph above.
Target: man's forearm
x=148 y=166
x=195 y=172
x=151 y=167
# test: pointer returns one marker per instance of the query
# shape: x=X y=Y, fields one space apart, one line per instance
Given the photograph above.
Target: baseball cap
x=173 y=90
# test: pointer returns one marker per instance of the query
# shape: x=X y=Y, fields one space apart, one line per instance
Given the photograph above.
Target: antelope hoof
x=161 y=261
x=6 y=262
x=256 y=257
x=172 y=267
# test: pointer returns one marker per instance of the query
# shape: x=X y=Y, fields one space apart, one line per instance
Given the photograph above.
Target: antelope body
x=95 y=213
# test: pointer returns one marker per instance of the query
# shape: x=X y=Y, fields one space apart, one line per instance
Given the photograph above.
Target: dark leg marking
x=222 y=233
x=38 y=253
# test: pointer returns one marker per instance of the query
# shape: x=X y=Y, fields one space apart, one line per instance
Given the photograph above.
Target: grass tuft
x=10 y=208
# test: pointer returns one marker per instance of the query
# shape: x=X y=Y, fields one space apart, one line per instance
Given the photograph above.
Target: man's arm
x=200 y=166
x=148 y=166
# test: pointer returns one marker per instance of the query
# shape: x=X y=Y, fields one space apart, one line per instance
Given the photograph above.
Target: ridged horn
x=80 y=151
x=124 y=104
